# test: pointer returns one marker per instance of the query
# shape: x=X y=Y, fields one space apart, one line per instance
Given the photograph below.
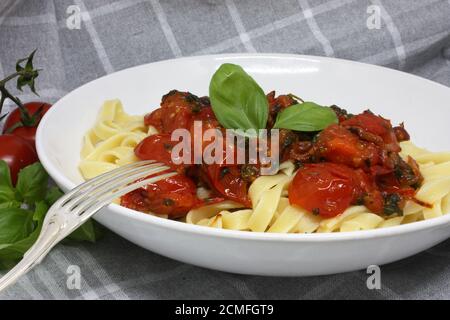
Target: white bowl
x=422 y=104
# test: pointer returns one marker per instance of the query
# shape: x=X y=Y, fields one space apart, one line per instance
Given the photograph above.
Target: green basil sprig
x=23 y=209
x=237 y=100
x=307 y=116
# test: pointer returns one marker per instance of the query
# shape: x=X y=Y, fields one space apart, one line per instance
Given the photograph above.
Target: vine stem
x=5 y=94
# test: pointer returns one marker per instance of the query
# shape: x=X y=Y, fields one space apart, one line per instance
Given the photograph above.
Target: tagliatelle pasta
x=435 y=190
x=112 y=140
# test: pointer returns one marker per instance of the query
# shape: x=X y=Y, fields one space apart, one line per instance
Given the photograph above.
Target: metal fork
x=81 y=203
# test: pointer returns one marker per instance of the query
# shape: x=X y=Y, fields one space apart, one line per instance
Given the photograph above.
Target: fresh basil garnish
x=15 y=224
x=237 y=100
x=23 y=209
x=32 y=183
x=307 y=116
x=13 y=251
x=7 y=193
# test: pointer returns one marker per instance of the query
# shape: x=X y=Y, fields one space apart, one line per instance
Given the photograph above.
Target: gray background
x=115 y=34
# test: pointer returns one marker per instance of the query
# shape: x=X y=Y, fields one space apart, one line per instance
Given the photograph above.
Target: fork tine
x=139 y=172
x=94 y=207
x=101 y=192
x=101 y=178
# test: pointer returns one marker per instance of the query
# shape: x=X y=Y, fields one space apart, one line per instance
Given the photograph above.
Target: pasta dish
x=332 y=171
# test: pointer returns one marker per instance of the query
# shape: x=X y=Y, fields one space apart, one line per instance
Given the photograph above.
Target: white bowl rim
x=62 y=180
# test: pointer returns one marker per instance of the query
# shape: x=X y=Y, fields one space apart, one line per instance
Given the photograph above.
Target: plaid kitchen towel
x=410 y=35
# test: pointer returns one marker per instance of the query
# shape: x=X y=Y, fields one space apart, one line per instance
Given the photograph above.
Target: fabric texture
x=414 y=36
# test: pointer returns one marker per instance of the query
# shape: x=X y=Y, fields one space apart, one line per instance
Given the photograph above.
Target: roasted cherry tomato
x=326 y=189
x=228 y=181
x=17 y=153
x=277 y=104
x=159 y=147
x=179 y=110
x=174 y=196
x=369 y=193
x=375 y=125
x=15 y=124
x=338 y=145
x=154 y=119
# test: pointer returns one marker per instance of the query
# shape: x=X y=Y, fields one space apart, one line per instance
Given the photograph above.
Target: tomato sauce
x=353 y=162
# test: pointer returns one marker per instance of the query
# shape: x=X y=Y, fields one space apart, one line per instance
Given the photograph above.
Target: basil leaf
x=237 y=100
x=5 y=176
x=32 y=183
x=7 y=192
x=52 y=195
x=15 y=224
x=10 y=204
x=307 y=116
x=89 y=231
x=7 y=264
x=12 y=252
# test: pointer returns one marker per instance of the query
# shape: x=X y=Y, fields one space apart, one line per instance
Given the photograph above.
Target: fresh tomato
x=174 y=196
x=17 y=153
x=338 y=145
x=16 y=125
x=326 y=189
x=159 y=147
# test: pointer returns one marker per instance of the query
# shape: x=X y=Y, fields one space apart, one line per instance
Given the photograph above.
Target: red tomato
x=323 y=188
x=375 y=125
x=227 y=181
x=174 y=196
x=154 y=119
x=369 y=193
x=179 y=110
x=158 y=147
x=25 y=131
x=17 y=152
x=337 y=144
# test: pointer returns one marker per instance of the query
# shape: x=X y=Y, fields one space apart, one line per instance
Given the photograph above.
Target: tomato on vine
x=25 y=125
x=18 y=140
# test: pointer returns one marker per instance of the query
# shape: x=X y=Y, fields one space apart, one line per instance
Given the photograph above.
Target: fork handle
x=46 y=241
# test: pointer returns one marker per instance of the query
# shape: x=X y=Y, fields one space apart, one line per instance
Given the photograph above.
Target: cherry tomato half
x=323 y=188
x=24 y=131
x=173 y=196
x=338 y=145
x=17 y=153
x=376 y=125
x=159 y=147
x=228 y=182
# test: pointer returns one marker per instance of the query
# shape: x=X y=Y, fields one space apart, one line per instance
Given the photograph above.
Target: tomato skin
x=179 y=110
x=227 y=181
x=331 y=188
x=158 y=147
x=376 y=125
x=17 y=153
x=154 y=119
x=369 y=193
x=28 y=133
x=173 y=196
x=326 y=189
x=338 y=145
